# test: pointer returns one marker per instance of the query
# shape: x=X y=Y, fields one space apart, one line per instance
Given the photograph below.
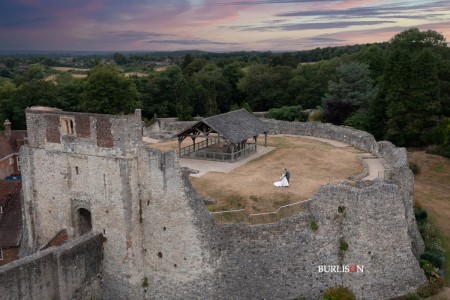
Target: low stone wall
x=357 y=138
x=71 y=271
x=166 y=128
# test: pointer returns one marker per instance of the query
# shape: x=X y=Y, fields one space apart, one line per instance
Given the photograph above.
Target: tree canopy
x=107 y=91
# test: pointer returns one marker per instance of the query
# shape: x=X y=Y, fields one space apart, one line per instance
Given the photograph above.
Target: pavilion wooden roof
x=235 y=126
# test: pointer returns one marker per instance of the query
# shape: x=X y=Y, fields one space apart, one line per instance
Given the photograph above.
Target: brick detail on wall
x=52 y=130
x=83 y=126
x=104 y=135
x=59 y=239
x=9 y=255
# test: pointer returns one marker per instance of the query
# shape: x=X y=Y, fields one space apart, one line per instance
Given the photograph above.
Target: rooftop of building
x=11 y=140
x=11 y=219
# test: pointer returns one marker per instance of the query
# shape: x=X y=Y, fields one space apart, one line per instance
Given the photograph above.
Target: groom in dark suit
x=287 y=174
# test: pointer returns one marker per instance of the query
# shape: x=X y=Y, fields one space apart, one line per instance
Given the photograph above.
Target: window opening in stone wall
x=76 y=170
x=1 y=254
x=18 y=163
x=67 y=126
x=84 y=221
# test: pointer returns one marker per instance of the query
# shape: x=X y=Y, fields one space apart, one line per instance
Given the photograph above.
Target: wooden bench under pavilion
x=224 y=137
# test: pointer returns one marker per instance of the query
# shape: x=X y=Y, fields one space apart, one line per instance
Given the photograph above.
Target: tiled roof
x=11 y=144
x=11 y=221
x=235 y=126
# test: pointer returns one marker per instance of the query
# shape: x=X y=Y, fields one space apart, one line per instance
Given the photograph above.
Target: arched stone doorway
x=84 y=221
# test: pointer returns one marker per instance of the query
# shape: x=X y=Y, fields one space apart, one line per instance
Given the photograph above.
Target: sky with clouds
x=213 y=25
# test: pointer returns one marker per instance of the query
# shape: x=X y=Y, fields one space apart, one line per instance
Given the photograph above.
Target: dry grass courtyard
x=312 y=163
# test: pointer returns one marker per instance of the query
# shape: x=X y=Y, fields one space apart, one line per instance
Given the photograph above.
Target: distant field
x=138 y=74
x=50 y=77
x=82 y=72
x=79 y=75
x=160 y=69
x=66 y=69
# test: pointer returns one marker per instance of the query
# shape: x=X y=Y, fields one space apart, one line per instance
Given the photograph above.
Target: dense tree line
x=398 y=90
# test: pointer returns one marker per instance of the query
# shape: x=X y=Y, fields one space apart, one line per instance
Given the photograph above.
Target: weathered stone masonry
x=160 y=241
x=72 y=271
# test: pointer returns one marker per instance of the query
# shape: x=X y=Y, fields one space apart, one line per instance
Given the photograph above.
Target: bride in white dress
x=282 y=182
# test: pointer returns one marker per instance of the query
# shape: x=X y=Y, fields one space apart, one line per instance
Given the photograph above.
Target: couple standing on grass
x=285 y=176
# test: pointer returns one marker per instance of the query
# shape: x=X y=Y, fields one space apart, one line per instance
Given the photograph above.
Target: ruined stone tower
x=91 y=172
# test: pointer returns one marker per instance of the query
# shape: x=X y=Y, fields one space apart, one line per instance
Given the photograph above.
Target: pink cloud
x=350 y=4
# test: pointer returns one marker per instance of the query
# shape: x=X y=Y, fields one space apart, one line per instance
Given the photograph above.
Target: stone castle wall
x=378 y=224
x=72 y=271
x=166 y=128
x=161 y=242
x=396 y=161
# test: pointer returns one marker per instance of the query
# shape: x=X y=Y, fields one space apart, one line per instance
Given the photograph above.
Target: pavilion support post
x=193 y=142
x=256 y=142
x=232 y=152
x=265 y=139
x=179 y=147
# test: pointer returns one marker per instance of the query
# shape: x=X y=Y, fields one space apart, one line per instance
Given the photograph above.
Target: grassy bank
x=432 y=192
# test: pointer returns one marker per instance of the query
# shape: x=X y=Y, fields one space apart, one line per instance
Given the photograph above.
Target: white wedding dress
x=282 y=182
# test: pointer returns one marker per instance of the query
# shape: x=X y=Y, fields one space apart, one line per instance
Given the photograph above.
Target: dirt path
x=376 y=168
x=205 y=166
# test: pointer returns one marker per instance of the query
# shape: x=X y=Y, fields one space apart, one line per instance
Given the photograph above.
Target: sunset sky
x=213 y=25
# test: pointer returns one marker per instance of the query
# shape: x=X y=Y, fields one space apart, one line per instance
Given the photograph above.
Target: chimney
x=7 y=125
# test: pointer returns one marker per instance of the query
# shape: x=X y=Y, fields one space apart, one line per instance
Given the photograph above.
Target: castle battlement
x=56 y=130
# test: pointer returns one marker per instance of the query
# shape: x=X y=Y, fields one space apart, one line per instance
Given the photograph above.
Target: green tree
x=194 y=66
x=233 y=73
x=310 y=82
x=6 y=92
x=353 y=90
x=287 y=113
x=408 y=103
x=107 y=91
x=183 y=107
x=148 y=95
x=440 y=136
x=10 y=62
x=212 y=88
x=32 y=72
x=187 y=60
x=374 y=58
x=70 y=90
x=32 y=93
x=284 y=59
x=266 y=87
x=120 y=59
x=168 y=91
x=338 y=293
x=415 y=40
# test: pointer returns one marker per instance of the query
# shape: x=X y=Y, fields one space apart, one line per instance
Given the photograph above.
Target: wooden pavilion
x=223 y=137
